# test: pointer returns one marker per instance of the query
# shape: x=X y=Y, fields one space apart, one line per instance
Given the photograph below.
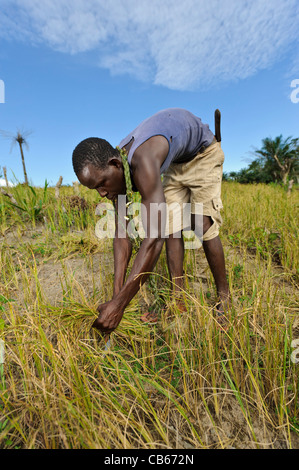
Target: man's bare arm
x=148 y=180
x=122 y=251
x=146 y=172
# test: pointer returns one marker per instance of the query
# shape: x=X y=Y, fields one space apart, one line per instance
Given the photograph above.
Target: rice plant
x=180 y=384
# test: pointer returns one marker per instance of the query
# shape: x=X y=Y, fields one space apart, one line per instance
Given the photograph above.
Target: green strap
x=136 y=242
x=127 y=174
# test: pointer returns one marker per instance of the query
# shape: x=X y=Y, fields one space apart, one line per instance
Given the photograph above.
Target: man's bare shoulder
x=146 y=164
x=152 y=152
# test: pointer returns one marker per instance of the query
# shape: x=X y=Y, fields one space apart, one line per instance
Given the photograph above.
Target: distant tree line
x=276 y=161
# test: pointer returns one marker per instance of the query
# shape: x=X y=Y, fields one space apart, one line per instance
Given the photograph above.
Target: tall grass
x=180 y=384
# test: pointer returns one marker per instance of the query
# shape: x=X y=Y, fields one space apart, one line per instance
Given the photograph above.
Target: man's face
x=108 y=182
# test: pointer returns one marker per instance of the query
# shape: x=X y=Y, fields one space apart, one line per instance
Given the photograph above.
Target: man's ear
x=114 y=161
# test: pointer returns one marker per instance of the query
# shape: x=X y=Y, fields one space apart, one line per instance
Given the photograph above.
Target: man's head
x=99 y=166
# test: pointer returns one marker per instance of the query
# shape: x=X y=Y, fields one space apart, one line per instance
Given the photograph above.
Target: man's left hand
x=110 y=315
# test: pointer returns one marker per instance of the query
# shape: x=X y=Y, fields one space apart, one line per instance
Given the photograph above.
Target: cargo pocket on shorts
x=213 y=231
x=217 y=204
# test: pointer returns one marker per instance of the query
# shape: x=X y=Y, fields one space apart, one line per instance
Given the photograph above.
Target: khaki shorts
x=198 y=183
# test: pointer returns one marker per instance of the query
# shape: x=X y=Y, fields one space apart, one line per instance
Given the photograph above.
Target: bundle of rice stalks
x=78 y=317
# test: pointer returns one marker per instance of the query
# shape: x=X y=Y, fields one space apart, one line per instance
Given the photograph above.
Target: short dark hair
x=95 y=151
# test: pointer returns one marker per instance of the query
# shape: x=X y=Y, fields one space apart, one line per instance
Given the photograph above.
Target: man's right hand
x=110 y=315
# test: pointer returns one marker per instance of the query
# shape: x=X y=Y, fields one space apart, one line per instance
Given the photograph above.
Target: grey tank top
x=184 y=131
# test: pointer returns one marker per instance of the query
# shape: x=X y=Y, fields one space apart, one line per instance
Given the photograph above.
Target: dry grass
x=180 y=384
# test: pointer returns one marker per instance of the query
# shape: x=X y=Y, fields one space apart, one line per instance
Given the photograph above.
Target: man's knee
x=205 y=223
x=209 y=227
x=211 y=232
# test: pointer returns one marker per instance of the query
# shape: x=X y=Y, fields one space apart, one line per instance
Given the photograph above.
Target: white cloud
x=3 y=182
x=178 y=44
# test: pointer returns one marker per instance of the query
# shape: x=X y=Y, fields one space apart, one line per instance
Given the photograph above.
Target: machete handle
x=217 y=116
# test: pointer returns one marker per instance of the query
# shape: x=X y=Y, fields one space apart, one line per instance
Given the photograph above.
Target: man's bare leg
x=215 y=256
x=175 y=260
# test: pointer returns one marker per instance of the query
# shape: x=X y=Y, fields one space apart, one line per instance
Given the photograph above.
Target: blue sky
x=76 y=69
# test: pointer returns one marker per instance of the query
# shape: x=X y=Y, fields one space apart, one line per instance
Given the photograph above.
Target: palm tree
x=280 y=156
x=19 y=138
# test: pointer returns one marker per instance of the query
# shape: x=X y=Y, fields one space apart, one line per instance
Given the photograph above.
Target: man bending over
x=175 y=143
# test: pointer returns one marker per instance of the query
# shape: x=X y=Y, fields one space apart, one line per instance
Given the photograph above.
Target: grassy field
x=181 y=384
